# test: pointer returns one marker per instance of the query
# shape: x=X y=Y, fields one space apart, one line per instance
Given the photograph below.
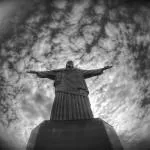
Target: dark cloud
x=13 y=12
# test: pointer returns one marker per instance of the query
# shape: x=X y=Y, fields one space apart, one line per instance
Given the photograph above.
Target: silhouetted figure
x=71 y=92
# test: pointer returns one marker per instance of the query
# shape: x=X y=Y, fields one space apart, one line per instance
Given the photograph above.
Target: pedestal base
x=93 y=134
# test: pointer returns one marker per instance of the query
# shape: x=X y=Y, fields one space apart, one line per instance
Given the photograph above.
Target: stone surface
x=93 y=134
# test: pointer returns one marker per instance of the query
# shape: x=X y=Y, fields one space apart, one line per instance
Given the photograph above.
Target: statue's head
x=69 y=64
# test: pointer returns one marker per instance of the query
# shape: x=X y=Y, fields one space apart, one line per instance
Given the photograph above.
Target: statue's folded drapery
x=68 y=106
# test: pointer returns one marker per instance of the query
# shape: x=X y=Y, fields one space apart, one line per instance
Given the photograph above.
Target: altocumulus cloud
x=91 y=33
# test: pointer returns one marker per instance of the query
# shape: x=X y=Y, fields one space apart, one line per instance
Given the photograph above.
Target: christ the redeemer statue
x=71 y=93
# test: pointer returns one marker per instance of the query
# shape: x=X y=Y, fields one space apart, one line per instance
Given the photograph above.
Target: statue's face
x=69 y=65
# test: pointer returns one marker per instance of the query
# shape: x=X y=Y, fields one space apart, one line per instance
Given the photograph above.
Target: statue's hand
x=107 y=67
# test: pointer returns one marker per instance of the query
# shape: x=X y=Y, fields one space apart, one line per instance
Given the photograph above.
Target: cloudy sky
x=43 y=35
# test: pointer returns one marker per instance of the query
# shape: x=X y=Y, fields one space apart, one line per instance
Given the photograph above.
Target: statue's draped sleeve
x=92 y=73
x=47 y=74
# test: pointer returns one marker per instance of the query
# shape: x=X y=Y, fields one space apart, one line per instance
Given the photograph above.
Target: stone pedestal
x=93 y=134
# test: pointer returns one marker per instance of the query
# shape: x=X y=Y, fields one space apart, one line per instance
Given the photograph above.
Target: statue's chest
x=71 y=76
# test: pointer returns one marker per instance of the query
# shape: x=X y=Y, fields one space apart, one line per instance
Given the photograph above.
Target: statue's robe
x=71 y=93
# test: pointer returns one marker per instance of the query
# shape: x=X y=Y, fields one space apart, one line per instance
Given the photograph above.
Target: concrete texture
x=74 y=135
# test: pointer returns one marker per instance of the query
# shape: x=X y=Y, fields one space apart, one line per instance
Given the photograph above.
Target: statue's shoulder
x=78 y=70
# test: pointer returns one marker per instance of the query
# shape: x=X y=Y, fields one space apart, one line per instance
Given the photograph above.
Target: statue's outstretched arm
x=94 y=72
x=44 y=74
